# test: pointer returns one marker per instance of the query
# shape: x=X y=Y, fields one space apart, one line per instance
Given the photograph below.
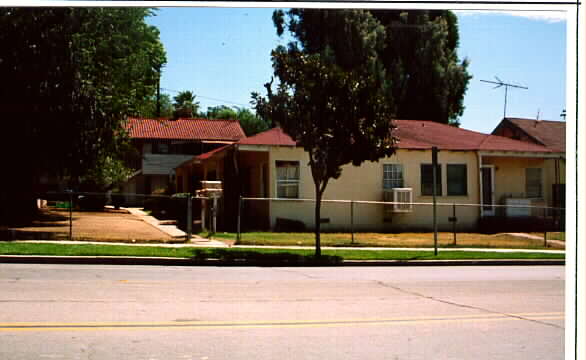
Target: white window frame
x=385 y=172
x=287 y=182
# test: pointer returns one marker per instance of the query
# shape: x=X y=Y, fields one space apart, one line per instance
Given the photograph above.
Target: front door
x=487 y=175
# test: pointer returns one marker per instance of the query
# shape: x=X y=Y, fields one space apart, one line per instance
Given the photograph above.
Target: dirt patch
x=108 y=225
x=395 y=240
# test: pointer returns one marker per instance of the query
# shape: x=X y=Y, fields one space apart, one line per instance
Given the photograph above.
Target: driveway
x=107 y=225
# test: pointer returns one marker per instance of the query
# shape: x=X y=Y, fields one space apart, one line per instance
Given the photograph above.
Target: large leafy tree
x=149 y=108
x=69 y=78
x=428 y=81
x=250 y=122
x=426 y=78
x=333 y=97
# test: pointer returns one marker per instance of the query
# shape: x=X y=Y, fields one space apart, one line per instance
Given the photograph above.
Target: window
x=533 y=184
x=392 y=176
x=287 y=179
x=160 y=148
x=457 y=179
x=427 y=180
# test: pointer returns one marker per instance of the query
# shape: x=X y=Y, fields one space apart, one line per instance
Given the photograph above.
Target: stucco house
x=163 y=144
x=551 y=134
x=473 y=168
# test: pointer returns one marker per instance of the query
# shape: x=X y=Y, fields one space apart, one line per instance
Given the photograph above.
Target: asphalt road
x=207 y=313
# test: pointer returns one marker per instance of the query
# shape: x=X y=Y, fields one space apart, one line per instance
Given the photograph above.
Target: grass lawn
x=21 y=248
x=421 y=240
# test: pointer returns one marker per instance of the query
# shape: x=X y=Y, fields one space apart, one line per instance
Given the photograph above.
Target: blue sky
x=223 y=54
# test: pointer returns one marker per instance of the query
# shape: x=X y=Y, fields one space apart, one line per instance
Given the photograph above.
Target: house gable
x=551 y=134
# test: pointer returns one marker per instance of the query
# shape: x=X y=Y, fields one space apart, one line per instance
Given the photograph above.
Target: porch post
x=480 y=184
x=203 y=214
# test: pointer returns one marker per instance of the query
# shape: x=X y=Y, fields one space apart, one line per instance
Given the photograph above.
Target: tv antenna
x=500 y=83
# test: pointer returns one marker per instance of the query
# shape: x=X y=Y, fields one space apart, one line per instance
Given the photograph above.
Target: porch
x=521 y=191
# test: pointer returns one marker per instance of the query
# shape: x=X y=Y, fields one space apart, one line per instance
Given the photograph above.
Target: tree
x=428 y=81
x=250 y=123
x=149 y=108
x=185 y=105
x=70 y=76
x=333 y=97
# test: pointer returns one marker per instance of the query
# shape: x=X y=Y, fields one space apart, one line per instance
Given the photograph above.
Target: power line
x=209 y=98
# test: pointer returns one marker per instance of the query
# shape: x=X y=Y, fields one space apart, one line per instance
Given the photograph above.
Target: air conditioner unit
x=401 y=199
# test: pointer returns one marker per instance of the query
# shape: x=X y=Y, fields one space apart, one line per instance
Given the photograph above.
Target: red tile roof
x=416 y=134
x=275 y=137
x=413 y=134
x=211 y=153
x=548 y=133
x=185 y=129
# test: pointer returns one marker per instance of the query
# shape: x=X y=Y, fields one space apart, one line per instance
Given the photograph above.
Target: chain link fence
x=354 y=216
x=72 y=215
x=192 y=214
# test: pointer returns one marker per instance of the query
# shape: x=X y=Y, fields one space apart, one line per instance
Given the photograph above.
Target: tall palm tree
x=185 y=104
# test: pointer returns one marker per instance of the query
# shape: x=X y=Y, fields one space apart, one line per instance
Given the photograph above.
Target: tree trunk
x=317 y=220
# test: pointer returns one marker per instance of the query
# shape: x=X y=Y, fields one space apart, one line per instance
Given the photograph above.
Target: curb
x=166 y=261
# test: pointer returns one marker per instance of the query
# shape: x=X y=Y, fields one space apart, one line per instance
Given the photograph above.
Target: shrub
x=92 y=202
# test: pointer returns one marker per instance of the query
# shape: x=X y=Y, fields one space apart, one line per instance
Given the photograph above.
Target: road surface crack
x=448 y=302
x=297 y=272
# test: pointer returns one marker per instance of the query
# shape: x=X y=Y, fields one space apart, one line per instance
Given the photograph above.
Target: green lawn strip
x=91 y=250
x=253 y=253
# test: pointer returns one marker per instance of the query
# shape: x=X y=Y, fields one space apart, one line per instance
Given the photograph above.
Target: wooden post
x=203 y=215
x=214 y=214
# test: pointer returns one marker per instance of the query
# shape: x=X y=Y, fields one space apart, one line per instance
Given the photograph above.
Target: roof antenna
x=500 y=83
x=538 y=111
x=563 y=114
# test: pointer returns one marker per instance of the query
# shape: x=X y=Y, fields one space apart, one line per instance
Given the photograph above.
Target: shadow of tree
x=247 y=257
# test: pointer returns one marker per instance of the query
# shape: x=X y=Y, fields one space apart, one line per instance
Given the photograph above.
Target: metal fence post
x=352 y=219
x=238 y=219
x=189 y=218
x=434 y=151
x=70 y=215
x=454 y=221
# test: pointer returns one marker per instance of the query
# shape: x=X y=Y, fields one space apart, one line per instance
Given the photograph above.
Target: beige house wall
x=365 y=183
x=508 y=168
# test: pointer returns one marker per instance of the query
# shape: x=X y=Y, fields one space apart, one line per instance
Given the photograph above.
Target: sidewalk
x=173 y=231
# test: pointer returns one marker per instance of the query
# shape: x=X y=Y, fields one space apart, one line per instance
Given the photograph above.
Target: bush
x=117 y=200
x=92 y=202
x=169 y=208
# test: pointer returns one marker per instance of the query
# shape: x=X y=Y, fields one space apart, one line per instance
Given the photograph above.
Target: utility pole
x=158 y=92
x=500 y=83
